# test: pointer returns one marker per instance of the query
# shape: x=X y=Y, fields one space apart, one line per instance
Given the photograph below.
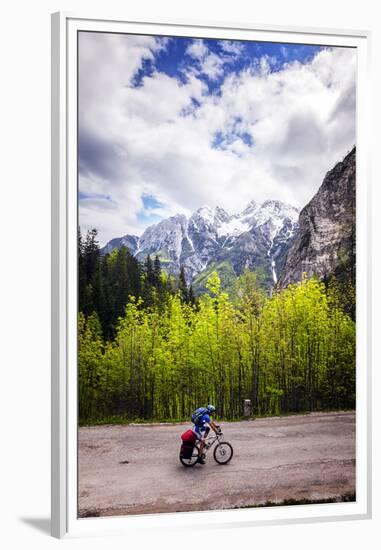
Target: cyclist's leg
x=198 y=433
x=202 y=445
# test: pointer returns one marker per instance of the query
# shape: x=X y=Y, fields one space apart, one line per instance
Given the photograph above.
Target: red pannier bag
x=188 y=439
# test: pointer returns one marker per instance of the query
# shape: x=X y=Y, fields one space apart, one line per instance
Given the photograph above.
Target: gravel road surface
x=135 y=469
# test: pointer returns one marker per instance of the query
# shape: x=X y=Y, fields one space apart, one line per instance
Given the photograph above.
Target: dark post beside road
x=247 y=409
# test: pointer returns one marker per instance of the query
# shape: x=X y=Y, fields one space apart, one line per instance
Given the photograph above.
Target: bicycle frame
x=211 y=440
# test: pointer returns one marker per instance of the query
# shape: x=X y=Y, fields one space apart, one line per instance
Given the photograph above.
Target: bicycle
x=222 y=454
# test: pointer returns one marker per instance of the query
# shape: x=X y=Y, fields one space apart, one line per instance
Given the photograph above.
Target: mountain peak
x=204 y=208
x=205 y=214
x=272 y=203
x=276 y=205
x=212 y=216
x=221 y=211
x=251 y=207
x=179 y=218
x=279 y=208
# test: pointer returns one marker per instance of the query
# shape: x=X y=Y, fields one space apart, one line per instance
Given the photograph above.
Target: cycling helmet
x=211 y=408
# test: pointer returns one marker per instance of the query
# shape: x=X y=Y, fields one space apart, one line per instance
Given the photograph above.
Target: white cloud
x=234 y=48
x=197 y=49
x=153 y=140
x=170 y=98
x=208 y=63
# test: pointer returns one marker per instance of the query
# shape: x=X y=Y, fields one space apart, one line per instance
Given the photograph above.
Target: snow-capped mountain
x=259 y=236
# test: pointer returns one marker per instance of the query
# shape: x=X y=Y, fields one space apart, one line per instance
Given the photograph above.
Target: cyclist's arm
x=215 y=427
x=207 y=429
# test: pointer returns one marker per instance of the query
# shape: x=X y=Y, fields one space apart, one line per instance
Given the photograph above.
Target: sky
x=168 y=124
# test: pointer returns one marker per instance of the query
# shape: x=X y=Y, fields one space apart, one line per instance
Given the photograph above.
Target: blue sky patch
x=222 y=140
x=147 y=215
x=91 y=196
x=147 y=69
x=247 y=139
x=151 y=202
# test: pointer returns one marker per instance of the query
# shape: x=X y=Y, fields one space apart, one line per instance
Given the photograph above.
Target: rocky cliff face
x=325 y=241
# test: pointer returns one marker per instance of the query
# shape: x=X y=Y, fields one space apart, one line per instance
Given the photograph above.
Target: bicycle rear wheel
x=192 y=460
x=223 y=453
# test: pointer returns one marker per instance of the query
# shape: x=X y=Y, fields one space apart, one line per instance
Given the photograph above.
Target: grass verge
x=347 y=497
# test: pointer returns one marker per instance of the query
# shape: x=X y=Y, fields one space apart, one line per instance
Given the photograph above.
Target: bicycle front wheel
x=223 y=453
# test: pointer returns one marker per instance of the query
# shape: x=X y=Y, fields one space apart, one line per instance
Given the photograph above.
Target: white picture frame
x=64 y=292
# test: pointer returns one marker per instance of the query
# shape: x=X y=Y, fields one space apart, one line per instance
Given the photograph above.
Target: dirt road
x=135 y=469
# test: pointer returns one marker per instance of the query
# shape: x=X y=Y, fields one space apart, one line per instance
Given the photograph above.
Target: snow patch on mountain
x=235 y=226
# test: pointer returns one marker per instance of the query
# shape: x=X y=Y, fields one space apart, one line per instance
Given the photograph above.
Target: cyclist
x=202 y=427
